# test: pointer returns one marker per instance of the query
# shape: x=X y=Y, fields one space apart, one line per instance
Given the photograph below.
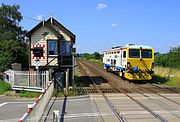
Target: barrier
x=36 y=110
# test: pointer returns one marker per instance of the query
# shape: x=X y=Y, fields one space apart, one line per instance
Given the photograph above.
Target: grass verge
x=96 y=61
x=167 y=76
x=29 y=94
x=4 y=87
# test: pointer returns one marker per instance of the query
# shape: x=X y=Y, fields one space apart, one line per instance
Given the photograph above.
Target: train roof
x=129 y=46
x=136 y=46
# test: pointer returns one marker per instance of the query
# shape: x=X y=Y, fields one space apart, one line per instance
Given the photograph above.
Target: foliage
x=10 y=17
x=95 y=55
x=167 y=76
x=171 y=59
x=12 y=46
x=4 y=87
x=29 y=94
x=12 y=51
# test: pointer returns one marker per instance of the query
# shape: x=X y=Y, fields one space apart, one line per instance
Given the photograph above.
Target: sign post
x=73 y=52
x=37 y=62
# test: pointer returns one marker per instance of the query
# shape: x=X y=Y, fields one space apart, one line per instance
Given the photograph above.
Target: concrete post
x=67 y=81
x=56 y=116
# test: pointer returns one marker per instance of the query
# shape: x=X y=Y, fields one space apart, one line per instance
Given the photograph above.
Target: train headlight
x=135 y=69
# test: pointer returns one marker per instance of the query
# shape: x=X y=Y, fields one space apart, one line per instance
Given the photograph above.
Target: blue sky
x=101 y=24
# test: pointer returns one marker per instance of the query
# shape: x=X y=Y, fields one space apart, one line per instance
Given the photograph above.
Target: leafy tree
x=10 y=17
x=171 y=59
x=87 y=55
x=12 y=46
x=97 y=55
x=13 y=51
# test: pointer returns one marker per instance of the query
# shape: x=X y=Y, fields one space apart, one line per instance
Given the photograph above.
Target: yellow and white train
x=133 y=62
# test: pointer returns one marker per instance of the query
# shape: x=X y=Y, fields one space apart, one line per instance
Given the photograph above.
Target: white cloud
x=114 y=24
x=101 y=6
x=40 y=17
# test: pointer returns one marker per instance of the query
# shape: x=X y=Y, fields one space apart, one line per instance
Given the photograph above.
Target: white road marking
x=28 y=102
x=71 y=100
x=2 y=104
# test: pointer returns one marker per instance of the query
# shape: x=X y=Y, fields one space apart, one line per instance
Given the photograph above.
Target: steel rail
x=151 y=91
x=110 y=104
x=109 y=78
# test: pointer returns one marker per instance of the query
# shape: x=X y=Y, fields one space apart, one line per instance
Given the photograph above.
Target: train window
x=146 y=53
x=118 y=52
x=124 y=54
x=134 y=53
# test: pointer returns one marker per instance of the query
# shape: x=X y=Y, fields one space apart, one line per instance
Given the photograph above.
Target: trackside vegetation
x=4 y=87
x=167 y=70
x=167 y=66
x=13 y=46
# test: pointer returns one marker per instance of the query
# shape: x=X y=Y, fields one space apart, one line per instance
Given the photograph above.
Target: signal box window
x=52 y=47
x=37 y=51
x=124 y=54
x=134 y=53
x=65 y=48
x=146 y=53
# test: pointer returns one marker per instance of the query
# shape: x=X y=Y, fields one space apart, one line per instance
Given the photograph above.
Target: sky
x=102 y=24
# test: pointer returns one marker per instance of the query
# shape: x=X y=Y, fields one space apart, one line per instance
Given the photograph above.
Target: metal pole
x=73 y=72
x=67 y=80
x=38 y=77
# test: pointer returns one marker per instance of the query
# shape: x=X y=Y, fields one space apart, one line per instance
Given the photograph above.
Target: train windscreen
x=134 y=53
x=146 y=53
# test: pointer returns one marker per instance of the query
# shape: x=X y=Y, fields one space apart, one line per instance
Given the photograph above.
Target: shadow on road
x=63 y=109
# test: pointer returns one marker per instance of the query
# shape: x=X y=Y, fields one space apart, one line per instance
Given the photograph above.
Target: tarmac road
x=11 y=108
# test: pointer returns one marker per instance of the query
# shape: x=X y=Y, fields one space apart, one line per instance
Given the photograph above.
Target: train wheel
x=107 y=69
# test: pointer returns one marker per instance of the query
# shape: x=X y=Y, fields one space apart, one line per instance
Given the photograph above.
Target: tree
x=12 y=46
x=13 y=51
x=97 y=55
x=10 y=17
x=171 y=59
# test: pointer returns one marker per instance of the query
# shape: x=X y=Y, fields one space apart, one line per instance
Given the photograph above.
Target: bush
x=4 y=87
x=171 y=59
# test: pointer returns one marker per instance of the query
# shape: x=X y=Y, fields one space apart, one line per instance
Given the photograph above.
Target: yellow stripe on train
x=137 y=76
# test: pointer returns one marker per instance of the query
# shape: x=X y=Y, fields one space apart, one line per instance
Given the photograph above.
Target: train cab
x=133 y=62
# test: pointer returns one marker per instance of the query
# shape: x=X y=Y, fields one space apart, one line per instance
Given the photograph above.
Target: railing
x=36 y=110
x=63 y=60
x=28 y=80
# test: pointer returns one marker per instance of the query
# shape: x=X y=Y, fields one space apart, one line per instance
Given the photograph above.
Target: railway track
x=151 y=89
x=113 y=82
x=155 y=88
x=101 y=90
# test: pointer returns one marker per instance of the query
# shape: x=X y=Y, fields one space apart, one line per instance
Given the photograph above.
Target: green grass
x=167 y=76
x=96 y=61
x=71 y=92
x=4 y=87
x=29 y=94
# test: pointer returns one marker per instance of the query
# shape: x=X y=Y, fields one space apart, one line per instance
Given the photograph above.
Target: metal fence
x=28 y=80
